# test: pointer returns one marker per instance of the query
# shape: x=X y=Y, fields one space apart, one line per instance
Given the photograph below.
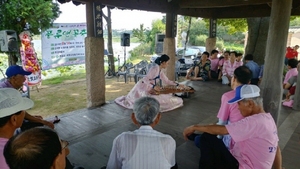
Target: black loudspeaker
x=125 y=39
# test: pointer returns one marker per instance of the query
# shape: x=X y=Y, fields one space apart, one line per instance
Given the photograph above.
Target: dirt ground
x=53 y=100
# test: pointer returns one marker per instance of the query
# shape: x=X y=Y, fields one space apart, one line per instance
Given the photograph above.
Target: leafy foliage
x=234 y=47
x=39 y=14
x=65 y=70
x=295 y=21
x=157 y=27
x=140 y=33
x=141 y=51
x=234 y=25
x=200 y=40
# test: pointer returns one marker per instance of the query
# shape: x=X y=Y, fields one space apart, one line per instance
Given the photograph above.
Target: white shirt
x=144 y=148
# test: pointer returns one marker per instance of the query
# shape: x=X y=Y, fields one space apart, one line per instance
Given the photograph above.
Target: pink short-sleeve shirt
x=256 y=141
x=214 y=64
x=229 y=112
x=3 y=164
x=289 y=74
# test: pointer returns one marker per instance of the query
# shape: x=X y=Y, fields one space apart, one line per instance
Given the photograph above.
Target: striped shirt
x=144 y=148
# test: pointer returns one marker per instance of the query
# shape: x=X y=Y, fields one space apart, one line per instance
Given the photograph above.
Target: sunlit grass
x=63 y=78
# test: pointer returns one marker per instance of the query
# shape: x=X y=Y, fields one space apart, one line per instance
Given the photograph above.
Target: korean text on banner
x=63 y=45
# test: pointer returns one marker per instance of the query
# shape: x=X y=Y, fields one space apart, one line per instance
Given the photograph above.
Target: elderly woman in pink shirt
x=292 y=66
x=229 y=67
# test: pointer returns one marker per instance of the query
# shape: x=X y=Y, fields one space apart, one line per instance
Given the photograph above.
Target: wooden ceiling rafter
x=219 y=3
x=147 y=5
x=228 y=12
x=200 y=8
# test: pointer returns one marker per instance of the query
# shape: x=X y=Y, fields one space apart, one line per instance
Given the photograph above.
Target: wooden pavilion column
x=94 y=56
x=211 y=41
x=275 y=51
x=169 y=43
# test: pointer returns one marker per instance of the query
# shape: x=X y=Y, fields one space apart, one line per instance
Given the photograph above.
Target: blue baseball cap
x=245 y=92
x=15 y=70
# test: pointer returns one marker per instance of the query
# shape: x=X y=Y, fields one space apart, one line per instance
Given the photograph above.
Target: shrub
x=141 y=50
x=220 y=44
x=234 y=47
x=200 y=40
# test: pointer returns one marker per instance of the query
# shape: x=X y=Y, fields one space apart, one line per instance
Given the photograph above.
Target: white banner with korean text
x=63 y=45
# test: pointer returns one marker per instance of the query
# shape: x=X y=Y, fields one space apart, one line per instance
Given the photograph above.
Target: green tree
x=111 y=60
x=39 y=14
x=295 y=21
x=140 y=33
x=157 y=27
x=198 y=32
x=233 y=25
x=257 y=33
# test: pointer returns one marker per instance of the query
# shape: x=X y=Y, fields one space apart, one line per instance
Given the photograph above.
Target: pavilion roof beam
x=219 y=3
x=147 y=5
x=231 y=12
x=296 y=4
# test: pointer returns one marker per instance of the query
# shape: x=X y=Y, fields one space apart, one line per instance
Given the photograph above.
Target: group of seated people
x=226 y=144
x=222 y=68
x=22 y=142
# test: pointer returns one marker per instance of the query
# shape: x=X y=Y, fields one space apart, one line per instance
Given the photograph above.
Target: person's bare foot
x=188 y=77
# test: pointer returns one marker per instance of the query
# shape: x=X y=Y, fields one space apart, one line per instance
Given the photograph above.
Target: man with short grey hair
x=143 y=148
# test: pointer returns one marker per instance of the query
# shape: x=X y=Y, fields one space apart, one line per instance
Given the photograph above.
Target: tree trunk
x=12 y=58
x=276 y=46
x=111 y=61
x=257 y=38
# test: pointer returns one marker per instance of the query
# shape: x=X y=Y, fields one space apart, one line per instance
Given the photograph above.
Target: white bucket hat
x=12 y=102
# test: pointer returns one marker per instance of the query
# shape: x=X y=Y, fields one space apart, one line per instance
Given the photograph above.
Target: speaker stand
x=123 y=66
x=109 y=72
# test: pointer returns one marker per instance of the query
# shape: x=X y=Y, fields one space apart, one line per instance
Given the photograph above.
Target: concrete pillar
x=95 y=80
x=271 y=85
x=210 y=44
x=169 y=43
x=169 y=49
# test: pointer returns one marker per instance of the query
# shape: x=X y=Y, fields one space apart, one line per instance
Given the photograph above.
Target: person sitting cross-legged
x=254 y=140
x=201 y=70
x=228 y=68
x=143 y=148
x=214 y=64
